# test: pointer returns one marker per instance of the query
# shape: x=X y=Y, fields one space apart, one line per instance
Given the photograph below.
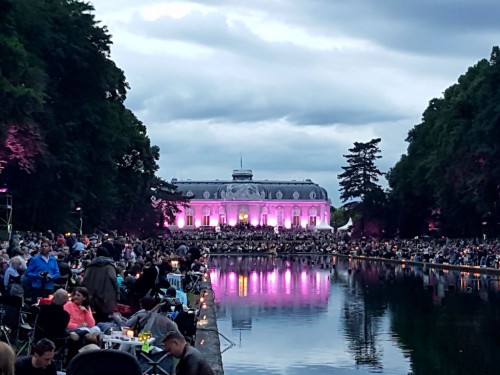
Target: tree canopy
x=360 y=178
x=361 y=175
x=451 y=165
x=69 y=139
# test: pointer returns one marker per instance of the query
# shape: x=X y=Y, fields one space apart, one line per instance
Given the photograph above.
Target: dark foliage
x=69 y=138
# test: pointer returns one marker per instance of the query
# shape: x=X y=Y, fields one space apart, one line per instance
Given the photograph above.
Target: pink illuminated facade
x=242 y=200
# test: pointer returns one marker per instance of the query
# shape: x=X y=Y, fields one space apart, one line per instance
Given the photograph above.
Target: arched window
x=243 y=216
x=222 y=215
x=206 y=216
x=279 y=216
x=189 y=216
x=296 y=212
x=313 y=213
x=279 y=195
x=263 y=216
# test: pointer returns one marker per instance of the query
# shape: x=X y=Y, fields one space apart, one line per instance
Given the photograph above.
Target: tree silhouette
x=360 y=178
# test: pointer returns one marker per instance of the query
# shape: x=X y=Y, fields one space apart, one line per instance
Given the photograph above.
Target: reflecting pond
x=333 y=315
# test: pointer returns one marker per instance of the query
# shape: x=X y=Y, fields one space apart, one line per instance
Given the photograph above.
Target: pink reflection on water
x=288 y=282
x=282 y=285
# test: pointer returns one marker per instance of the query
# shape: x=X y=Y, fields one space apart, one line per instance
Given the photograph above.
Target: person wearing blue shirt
x=42 y=270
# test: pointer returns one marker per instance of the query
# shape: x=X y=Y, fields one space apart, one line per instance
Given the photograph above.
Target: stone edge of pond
x=207 y=333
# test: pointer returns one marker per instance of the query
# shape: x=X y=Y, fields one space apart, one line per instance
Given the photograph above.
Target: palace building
x=243 y=200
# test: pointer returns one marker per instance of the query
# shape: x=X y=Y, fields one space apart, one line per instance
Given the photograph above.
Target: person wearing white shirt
x=11 y=271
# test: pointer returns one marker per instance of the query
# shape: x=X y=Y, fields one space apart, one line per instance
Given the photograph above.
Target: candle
x=130 y=333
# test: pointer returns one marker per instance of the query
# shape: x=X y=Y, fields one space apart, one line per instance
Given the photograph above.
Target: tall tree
x=361 y=175
x=63 y=107
x=451 y=164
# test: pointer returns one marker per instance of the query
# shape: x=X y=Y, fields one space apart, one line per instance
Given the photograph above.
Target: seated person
x=64 y=268
x=40 y=362
x=140 y=318
x=159 y=323
x=52 y=318
x=79 y=310
x=172 y=301
x=81 y=327
x=182 y=296
x=137 y=320
x=191 y=361
x=145 y=283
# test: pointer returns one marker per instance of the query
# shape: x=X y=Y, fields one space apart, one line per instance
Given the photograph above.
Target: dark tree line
x=67 y=138
x=450 y=174
x=448 y=182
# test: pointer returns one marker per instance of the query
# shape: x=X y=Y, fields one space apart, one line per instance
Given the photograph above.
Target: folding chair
x=39 y=332
x=192 y=282
x=11 y=320
x=61 y=282
x=186 y=323
x=155 y=363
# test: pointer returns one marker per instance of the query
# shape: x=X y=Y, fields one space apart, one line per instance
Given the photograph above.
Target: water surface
x=329 y=315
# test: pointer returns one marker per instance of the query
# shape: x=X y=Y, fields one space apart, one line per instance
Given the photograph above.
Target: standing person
x=191 y=361
x=11 y=274
x=40 y=362
x=100 y=280
x=7 y=359
x=42 y=270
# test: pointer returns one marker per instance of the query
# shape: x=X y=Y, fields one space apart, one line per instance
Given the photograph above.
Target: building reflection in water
x=388 y=317
x=253 y=285
x=269 y=282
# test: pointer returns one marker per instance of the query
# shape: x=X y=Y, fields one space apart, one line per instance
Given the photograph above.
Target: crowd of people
x=249 y=239
x=85 y=286
x=75 y=289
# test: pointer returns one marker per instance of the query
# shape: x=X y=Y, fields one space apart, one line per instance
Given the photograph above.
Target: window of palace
x=206 y=216
x=279 y=216
x=296 y=217
x=189 y=216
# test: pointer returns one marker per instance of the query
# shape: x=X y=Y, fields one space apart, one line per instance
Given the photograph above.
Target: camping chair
x=186 y=323
x=61 y=282
x=192 y=282
x=104 y=362
x=155 y=363
x=39 y=332
x=12 y=323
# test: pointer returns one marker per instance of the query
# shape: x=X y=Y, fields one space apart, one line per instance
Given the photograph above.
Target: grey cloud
x=245 y=94
x=213 y=30
x=425 y=27
x=242 y=92
x=280 y=152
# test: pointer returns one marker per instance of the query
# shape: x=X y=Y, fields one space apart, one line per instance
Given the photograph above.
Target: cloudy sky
x=289 y=84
